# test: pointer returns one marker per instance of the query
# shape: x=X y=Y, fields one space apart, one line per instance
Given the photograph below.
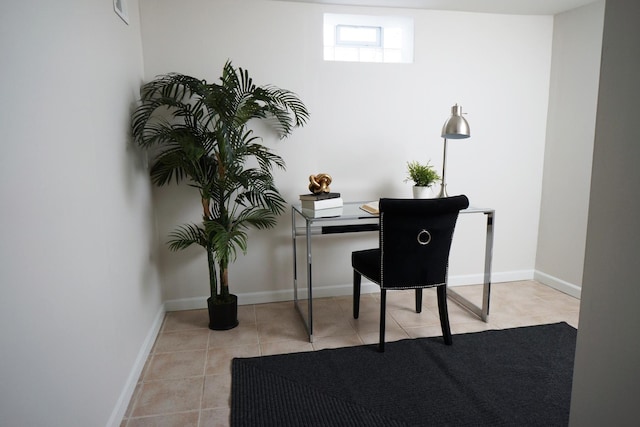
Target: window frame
x=394 y=41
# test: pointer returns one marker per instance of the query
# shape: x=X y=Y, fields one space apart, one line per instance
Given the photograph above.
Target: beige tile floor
x=187 y=377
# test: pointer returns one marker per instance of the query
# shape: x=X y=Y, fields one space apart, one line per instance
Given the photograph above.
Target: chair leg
x=418 y=300
x=383 y=304
x=444 y=315
x=357 y=279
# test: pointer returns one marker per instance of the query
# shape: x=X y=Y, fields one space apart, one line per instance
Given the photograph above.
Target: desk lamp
x=456 y=127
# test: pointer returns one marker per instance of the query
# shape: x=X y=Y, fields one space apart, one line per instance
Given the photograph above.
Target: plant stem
x=206 y=209
x=213 y=280
x=224 y=280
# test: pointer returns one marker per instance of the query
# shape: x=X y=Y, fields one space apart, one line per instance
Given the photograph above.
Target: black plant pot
x=223 y=315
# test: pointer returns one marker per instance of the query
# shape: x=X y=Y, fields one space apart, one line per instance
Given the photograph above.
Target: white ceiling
x=516 y=7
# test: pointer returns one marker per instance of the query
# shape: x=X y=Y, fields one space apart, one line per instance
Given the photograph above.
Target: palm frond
x=168 y=166
x=283 y=105
x=187 y=235
x=266 y=196
x=225 y=242
x=173 y=86
x=258 y=218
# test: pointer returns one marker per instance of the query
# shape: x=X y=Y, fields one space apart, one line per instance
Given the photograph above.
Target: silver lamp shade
x=456 y=127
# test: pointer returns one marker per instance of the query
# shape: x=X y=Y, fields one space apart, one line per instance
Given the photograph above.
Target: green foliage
x=198 y=132
x=421 y=175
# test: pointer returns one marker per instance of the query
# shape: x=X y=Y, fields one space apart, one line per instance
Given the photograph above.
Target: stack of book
x=324 y=203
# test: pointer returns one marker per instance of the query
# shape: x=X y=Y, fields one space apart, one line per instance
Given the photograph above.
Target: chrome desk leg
x=295 y=258
x=310 y=289
x=308 y=322
x=482 y=312
x=488 y=258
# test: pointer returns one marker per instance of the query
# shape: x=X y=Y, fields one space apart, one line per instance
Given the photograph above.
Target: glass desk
x=351 y=219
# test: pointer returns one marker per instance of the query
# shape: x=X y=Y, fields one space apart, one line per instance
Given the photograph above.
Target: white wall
x=367 y=121
x=606 y=382
x=573 y=95
x=79 y=296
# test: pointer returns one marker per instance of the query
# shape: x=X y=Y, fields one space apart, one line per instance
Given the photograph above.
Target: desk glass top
x=349 y=211
x=352 y=211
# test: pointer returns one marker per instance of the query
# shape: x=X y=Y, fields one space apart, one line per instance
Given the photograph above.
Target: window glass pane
x=351 y=35
x=392 y=55
x=346 y=54
x=371 y=55
x=393 y=38
x=329 y=53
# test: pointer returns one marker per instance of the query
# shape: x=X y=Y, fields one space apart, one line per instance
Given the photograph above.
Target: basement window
x=364 y=38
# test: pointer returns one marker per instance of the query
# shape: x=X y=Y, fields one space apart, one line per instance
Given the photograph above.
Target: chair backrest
x=415 y=240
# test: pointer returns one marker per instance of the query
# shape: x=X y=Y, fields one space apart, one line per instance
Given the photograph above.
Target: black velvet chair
x=415 y=240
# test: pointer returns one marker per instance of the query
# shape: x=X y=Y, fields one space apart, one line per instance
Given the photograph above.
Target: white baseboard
x=186 y=304
x=115 y=420
x=505 y=276
x=271 y=296
x=337 y=290
x=559 y=284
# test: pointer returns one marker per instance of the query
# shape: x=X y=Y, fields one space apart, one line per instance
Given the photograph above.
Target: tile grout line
x=255 y=320
x=204 y=378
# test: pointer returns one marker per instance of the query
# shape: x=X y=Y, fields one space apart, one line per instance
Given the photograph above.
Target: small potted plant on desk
x=199 y=133
x=423 y=177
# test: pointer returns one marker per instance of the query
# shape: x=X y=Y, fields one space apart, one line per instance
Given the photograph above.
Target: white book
x=335 y=202
x=323 y=213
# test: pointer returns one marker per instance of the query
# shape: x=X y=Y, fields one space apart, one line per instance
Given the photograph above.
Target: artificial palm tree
x=199 y=133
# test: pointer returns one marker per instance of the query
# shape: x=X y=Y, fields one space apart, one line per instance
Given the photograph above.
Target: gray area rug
x=511 y=377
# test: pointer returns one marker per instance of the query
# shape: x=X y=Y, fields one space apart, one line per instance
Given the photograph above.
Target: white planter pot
x=423 y=192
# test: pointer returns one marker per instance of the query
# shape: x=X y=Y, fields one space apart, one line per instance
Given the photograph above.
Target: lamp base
x=443 y=191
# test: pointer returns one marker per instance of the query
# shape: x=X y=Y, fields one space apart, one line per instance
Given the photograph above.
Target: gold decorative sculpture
x=319 y=183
